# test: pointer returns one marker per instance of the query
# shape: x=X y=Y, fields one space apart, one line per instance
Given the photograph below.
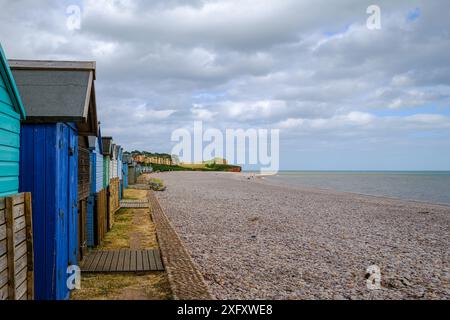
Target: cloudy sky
x=343 y=96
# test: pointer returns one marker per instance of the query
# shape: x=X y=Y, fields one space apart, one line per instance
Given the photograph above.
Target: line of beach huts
x=60 y=180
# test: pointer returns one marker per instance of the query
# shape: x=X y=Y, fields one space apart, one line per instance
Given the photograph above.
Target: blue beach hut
x=96 y=219
x=59 y=98
x=107 y=152
x=125 y=160
x=11 y=112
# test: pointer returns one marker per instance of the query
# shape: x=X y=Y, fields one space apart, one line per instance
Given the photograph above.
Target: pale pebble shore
x=255 y=240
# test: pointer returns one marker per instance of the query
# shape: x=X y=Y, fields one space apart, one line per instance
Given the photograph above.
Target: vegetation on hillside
x=150 y=154
x=206 y=167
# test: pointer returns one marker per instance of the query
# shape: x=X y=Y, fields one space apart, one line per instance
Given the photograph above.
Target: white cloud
x=307 y=65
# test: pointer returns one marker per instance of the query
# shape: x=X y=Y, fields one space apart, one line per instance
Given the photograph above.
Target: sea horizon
x=353 y=171
x=423 y=186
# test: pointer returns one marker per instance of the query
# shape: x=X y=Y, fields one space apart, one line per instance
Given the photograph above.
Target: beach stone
x=309 y=243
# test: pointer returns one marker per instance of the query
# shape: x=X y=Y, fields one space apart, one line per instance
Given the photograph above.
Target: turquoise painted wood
x=11 y=112
x=106 y=177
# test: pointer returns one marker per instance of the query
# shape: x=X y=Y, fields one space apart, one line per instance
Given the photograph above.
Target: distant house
x=11 y=112
x=175 y=160
x=216 y=160
x=59 y=98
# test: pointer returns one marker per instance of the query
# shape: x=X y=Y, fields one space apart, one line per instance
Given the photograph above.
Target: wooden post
x=30 y=252
x=9 y=217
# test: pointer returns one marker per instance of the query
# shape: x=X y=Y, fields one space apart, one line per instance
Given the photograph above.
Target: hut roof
x=58 y=91
x=107 y=145
x=116 y=151
x=92 y=140
x=5 y=73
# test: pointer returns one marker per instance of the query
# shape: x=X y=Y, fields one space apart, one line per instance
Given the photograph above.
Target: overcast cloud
x=344 y=96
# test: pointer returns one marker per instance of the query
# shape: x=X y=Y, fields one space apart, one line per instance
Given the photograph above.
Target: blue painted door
x=62 y=214
x=73 y=197
x=67 y=215
x=90 y=221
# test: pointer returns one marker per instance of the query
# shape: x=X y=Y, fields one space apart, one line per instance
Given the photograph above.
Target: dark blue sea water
x=424 y=186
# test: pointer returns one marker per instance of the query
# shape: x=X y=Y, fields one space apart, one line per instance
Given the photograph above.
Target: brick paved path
x=185 y=279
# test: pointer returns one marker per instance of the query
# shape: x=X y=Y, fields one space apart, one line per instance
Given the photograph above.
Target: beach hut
x=119 y=170
x=84 y=188
x=113 y=165
x=16 y=243
x=107 y=151
x=96 y=217
x=132 y=174
x=114 y=187
x=110 y=175
x=11 y=112
x=59 y=98
x=125 y=171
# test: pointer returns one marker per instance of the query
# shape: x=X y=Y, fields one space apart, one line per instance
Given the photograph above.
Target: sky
x=344 y=97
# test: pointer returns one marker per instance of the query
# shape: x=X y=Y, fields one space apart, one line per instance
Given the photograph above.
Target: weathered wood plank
x=21 y=289
x=21 y=262
x=4 y=293
x=126 y=261
x=134 y=204
x=30 y=246
x=95 y=261
x=21 y=249
x=21 y=276
x=9 y=215
x=19 y=224
x=114 y=260
x=101 y=262
x=121 y=260
x=2 y=216
x=2 y=232
x=18 y=199
x=3 y=263
x=108 y=261
x=87 y=262
x=145 y=262
x=139 y=263
x=158 y=260
x=3 y=278
x=151 y=259
x=133 y=260
x=3 y=247
x=20 y=237
x=2 y=203
x=18 y=211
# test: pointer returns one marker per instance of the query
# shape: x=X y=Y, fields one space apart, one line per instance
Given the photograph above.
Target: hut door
x=73 y=198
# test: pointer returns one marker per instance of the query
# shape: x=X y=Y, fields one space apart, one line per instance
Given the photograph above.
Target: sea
x=424 y=186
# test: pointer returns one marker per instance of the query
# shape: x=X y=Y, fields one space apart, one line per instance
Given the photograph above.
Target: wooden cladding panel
x=114 y=202
x=100 y=217
x=16 y=248
x=84 y=173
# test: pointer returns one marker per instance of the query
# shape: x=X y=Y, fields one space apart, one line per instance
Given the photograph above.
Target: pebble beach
x=253 y=239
